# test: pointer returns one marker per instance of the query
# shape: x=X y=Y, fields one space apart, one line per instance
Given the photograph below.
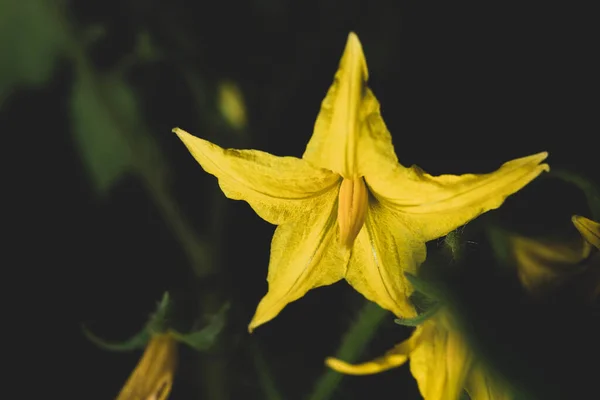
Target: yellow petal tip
x=340 y=366
x=381 y=364
x=251 y=326
x=256 y=322
x=589 y=229
x=331 y=362
x=181 y=133
x=541 y=157
x=353 y=39
x=353 y=59
x=538 y=158
x=265 y=312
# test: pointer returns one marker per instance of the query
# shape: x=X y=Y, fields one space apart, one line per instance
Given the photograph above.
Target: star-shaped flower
x=348 y=209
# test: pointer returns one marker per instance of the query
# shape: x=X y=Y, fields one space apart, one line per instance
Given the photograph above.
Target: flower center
x=352 y=209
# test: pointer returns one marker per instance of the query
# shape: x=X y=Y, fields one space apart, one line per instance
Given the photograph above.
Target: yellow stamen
x=352 y=209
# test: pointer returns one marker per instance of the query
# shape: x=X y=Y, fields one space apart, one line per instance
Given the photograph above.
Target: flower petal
x=305 y=254
x=152 y=378
x=481 y=386
x=395 y=357
x=436 y=205
x=428 y=364
x=377 y=154
x=333 y=144
x=383 y=251
x=279 y=189
x=441 y=361
x=590 y=230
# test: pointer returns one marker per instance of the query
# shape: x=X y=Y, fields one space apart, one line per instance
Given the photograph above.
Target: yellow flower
x=440 y=361
x=590 y=230
x=347 y=208
x=545 y=265
x=152 y=378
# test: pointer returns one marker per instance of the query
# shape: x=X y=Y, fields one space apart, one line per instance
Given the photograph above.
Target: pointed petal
x=441 y=361
x=334 y=142
x=436 y=205
x=305 y=254
x=458 y=362
x=383 y=251
x=152 y=378
x=361 y=135
x=395 y=357
x=279 y=189
x=590 y=230
x=428 y=364
x=377 y=152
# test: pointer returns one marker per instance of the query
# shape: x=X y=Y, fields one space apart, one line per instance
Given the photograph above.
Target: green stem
x=353 y=344
x=264 y=375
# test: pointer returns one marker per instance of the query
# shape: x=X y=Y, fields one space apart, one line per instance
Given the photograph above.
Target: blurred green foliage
x=160 y=322
x=100 y=113
x=31 y=42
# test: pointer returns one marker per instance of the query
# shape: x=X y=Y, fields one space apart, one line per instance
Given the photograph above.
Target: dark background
x=464 y=87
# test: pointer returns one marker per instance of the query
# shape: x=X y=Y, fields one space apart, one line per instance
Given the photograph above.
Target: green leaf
x=31 y=40
x=101 y=113
x=418 y=320
x=156 y=324
x=204 y=338
x=138 y=341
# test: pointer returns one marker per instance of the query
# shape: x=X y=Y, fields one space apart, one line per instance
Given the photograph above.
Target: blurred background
x=117 y=211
